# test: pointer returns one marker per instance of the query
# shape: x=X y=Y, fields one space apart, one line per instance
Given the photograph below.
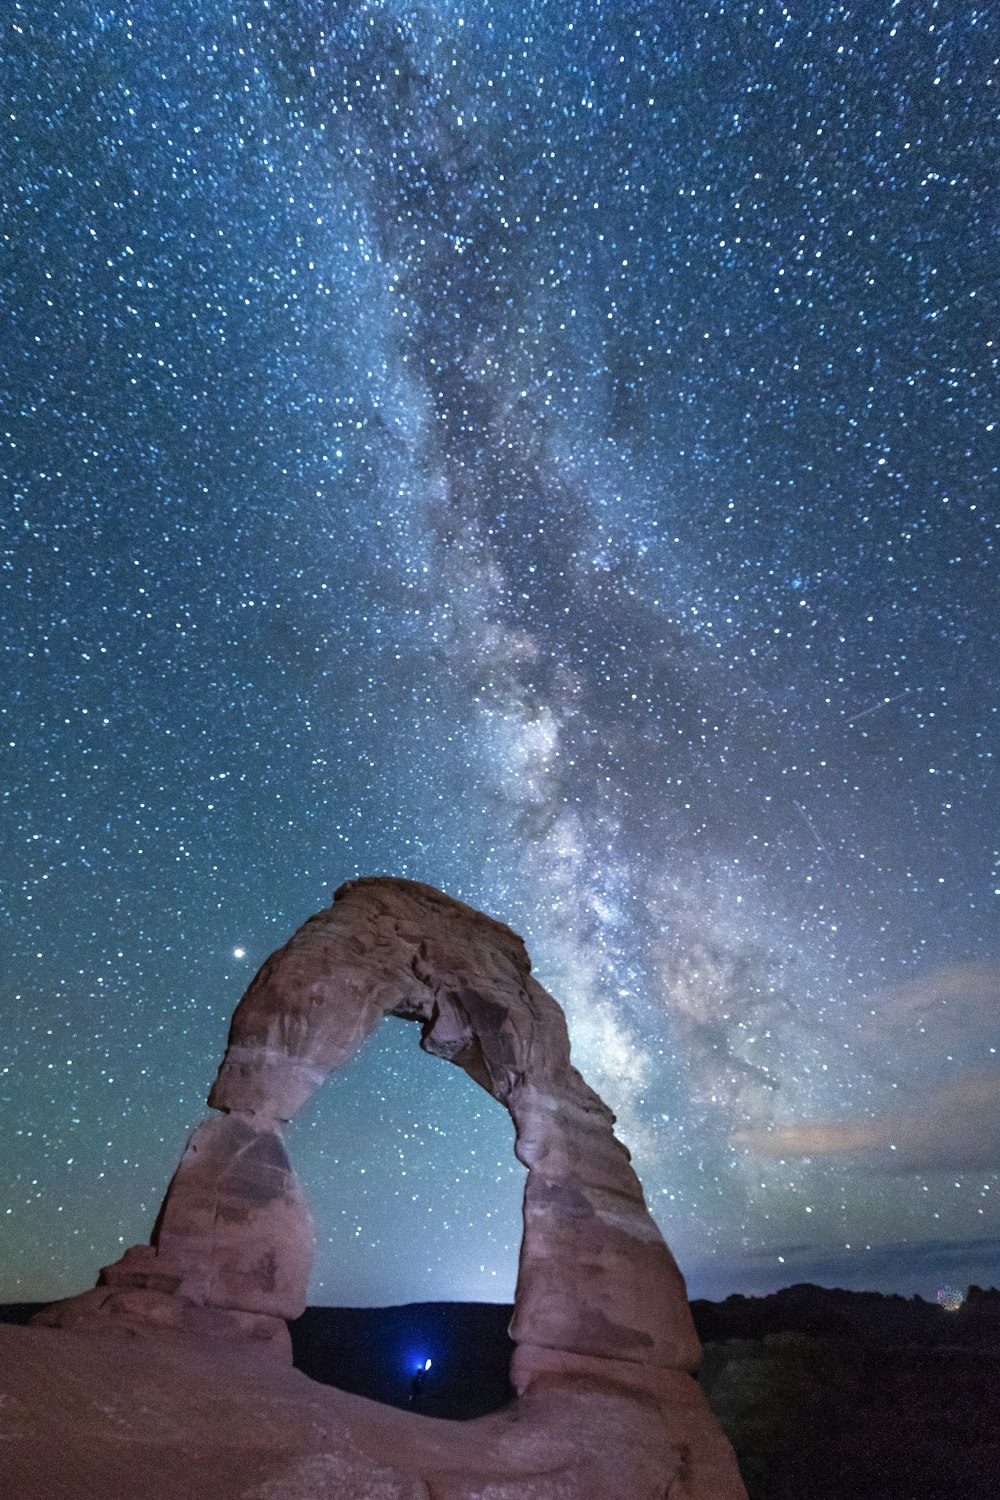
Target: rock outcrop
x=600 y=1304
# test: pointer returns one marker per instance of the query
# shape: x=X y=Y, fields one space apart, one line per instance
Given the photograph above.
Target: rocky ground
x=838 y=1395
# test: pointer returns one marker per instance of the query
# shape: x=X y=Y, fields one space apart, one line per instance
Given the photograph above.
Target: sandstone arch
x=599 y=1297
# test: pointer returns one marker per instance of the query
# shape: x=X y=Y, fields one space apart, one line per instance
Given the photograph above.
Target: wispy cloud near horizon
x=956 y=1129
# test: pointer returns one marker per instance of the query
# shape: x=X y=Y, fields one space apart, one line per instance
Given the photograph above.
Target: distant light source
x=427 y=1364
x=239 y=953
x=950 y=1298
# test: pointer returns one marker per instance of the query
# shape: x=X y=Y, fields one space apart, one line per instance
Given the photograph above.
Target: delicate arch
x=232 y=1245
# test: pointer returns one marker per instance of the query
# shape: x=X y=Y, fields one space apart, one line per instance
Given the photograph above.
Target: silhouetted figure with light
x=417 y=1383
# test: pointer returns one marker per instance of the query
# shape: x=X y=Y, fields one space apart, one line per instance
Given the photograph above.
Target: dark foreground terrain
x=854 y=1396
x=839 y=1395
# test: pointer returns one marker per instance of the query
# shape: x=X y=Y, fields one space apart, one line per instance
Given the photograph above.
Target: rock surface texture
x=607 y=1408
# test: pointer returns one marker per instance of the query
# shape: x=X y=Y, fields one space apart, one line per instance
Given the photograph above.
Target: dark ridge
x=863 y=1317
x=368 y=1350
x=19 y=1312
x=374 y=1352
x=378 y=1351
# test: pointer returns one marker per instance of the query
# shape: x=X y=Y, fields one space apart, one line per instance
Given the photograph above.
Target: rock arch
x=599 y=1296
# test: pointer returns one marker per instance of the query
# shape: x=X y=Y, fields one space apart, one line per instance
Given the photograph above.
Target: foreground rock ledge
x=606 y=1408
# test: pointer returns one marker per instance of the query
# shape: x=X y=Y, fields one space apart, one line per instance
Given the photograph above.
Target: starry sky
x=548 y=450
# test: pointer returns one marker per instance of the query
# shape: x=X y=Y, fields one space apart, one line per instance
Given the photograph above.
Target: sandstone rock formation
x=600 y=1305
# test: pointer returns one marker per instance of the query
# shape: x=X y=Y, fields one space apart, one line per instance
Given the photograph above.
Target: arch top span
x=597 y=1286
x=388 y=946
x=385 y=946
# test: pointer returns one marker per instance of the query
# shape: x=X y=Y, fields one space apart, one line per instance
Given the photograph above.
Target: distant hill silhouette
x=869 y=1317
x=19 y=1312
x=374 y=1351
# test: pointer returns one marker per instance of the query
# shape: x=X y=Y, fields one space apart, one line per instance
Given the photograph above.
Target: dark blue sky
x=550 y=451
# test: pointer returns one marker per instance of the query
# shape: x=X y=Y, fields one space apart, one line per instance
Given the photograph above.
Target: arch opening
x=415 y=1188
x=433 y=1279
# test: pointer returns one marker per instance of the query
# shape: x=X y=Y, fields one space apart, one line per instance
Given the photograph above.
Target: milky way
x=546 y=450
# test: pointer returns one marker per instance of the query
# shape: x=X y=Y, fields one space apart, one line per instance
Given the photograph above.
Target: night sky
x=548 y=450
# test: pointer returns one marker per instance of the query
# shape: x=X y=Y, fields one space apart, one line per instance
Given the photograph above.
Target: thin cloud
x=956 y=1128
x=949 y=1010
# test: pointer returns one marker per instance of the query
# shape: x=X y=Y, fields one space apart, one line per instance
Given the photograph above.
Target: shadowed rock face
x=599 y=1296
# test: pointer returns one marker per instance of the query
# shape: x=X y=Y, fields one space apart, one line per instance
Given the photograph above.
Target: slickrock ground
x=102 y=1417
